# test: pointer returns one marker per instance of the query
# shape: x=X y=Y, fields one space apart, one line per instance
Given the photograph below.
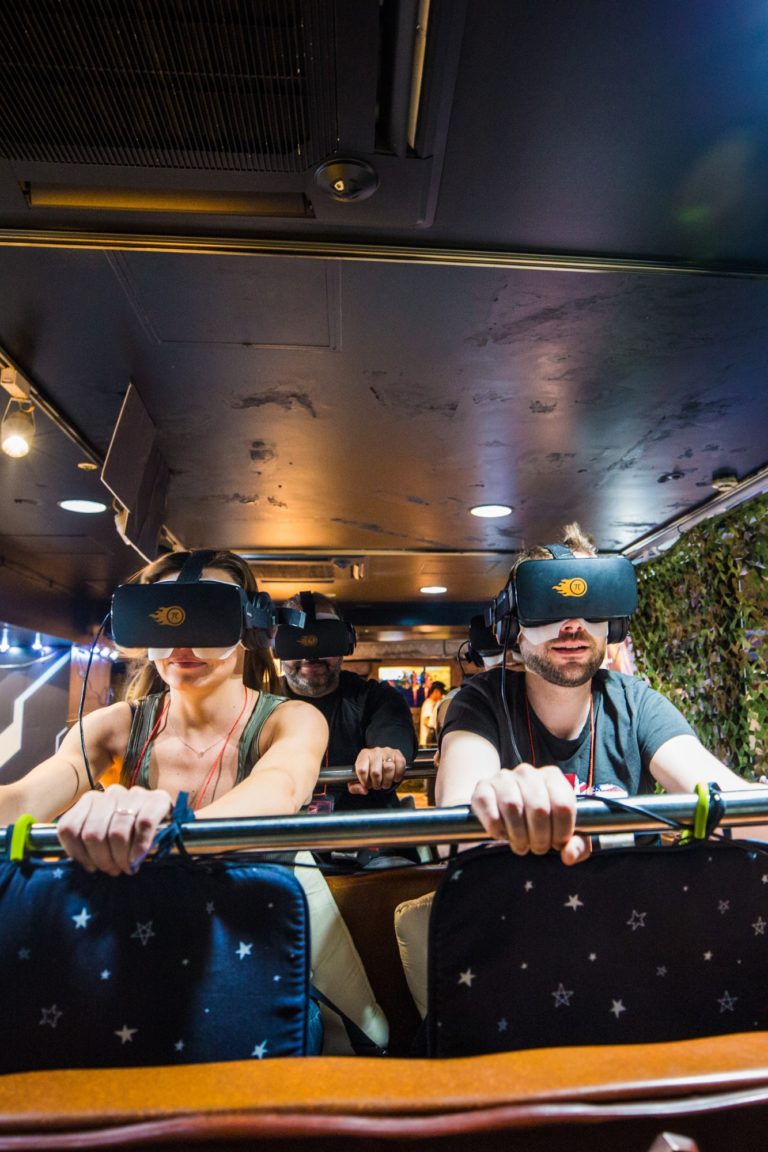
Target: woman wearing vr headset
x=199 y=720
x=520 y=743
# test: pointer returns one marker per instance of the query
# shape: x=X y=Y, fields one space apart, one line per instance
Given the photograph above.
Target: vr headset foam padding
x=180 y=615
x=593 y=588
x=317 y=638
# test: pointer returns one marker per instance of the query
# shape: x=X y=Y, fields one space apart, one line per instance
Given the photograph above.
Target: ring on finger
x=124 y=812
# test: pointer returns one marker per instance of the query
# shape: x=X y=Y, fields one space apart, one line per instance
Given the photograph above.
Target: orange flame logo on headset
x=174 y=615
x=575 y=586
x=308 y=641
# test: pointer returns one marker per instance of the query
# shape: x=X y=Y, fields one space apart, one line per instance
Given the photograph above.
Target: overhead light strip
x=371 y=253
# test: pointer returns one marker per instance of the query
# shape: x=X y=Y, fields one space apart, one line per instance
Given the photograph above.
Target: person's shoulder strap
x=248 y=752
x=143 y=716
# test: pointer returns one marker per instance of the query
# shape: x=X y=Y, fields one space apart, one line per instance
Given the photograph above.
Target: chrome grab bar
x=345 y=774
x=420 y=826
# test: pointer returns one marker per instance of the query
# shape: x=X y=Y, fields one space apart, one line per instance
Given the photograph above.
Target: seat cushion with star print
x=187 y=961
x=631 y=946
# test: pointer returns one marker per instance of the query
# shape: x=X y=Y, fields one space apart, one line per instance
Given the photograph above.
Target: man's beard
x=317 y=685
x=566 y=675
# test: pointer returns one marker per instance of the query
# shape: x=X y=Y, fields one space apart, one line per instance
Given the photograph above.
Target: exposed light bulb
x=18 y=429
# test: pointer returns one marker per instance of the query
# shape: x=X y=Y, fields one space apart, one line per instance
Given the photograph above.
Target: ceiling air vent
x=238 y=86
x=241 y=108
x=294 y=572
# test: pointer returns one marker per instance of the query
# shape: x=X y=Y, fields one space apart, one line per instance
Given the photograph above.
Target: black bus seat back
x=631 y=946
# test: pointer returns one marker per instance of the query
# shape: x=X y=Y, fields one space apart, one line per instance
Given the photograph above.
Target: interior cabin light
x=18 y=428
x=86 y=506
x=490 y=511
x=433 y=589
x=5 y=643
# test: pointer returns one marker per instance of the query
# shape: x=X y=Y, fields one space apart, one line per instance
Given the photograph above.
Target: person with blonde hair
x=520 y=743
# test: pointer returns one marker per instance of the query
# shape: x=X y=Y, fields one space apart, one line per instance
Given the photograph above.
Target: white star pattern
x=573 y=902
x=723 y=906
x=727 y=1002
x=210 y=907
x=126 y=1034
x=57 y=873
x=179 y=1046
x=456 y=874
x=50 y=1016
x=617 y=1007
x=244 y=950
x=707 y=955
x=502 y=1025
x=524 y=965
x=82 y=918
x=637 y=920
x=528 y=886
x=277 y=979
x=260 y=1050
x=184 y=962
x=661 y=970
x=105 y=974
x=23 y=953
x=759 y=926
x=592 y=957
x=764 y=878
x=562 y=997
x=466 y=977
x=143 y=932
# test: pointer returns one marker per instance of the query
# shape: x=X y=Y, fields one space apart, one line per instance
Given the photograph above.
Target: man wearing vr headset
x=370 y=724
x=520 y=743
x=200 y=720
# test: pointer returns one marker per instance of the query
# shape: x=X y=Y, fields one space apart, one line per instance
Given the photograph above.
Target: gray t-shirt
x=631 y=721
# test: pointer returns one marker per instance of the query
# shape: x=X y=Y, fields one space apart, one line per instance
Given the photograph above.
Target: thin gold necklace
x=199 y=752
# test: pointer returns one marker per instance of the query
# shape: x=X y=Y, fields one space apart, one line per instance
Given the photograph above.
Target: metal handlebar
x=345 y=774
x=422 y=826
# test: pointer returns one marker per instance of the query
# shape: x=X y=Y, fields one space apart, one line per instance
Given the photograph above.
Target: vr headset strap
x=307 y=601
x=192 y=568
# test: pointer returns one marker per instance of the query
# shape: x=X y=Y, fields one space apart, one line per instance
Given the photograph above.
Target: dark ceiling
x=555 y=298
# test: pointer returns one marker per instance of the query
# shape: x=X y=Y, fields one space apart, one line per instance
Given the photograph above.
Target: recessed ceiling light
x=433 y=589
x=489 y=511
x=82 y=506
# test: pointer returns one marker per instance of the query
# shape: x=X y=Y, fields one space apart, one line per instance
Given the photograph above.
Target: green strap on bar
x=20 y=837
x=701 y=815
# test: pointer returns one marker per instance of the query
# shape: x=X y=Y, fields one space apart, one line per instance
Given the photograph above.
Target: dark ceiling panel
x=218 y=300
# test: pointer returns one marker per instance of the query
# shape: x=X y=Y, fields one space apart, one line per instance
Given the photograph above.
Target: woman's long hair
x=258 y=666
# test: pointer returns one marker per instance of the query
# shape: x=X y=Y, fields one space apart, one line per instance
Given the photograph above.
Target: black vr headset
x=568 y=586
x=191 y=612
x=482 y=642
x=316 y=638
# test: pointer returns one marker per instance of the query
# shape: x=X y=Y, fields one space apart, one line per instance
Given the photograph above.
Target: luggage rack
x=422 y=826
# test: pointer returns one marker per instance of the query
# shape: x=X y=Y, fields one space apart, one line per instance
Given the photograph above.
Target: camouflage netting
x=699 y=634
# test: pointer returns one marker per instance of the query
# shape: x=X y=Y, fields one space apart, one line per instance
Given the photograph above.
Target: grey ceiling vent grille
x=297 y=573
x=233 y=85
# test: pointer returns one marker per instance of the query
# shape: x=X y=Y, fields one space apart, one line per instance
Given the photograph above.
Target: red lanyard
x=591 y=737
x=217 y=761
